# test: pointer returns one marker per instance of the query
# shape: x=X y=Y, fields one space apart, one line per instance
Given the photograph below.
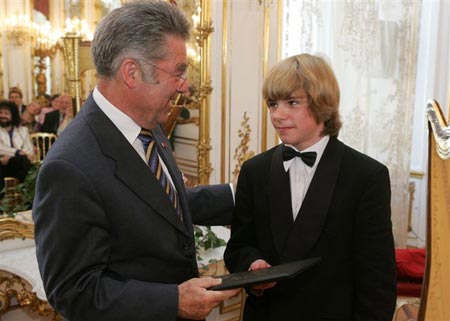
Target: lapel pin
x=163 y=144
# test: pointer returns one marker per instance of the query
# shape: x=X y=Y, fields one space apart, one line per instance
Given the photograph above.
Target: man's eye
x=271 y=104
x=293 y=102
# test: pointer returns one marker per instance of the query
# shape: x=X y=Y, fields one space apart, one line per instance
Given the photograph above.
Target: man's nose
x=184 y=86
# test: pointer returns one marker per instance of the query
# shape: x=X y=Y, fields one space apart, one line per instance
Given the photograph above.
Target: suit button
x=187 y=246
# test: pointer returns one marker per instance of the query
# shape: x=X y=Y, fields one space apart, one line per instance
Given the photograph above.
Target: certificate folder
x=271 y=274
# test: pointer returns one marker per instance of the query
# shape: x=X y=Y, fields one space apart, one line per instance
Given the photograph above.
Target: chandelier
x=78 y=27
x=46 y=40
x=19 y=29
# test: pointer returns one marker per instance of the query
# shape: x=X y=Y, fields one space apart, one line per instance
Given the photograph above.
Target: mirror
x=191 y=140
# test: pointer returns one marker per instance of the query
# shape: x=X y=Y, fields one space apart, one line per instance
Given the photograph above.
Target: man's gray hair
x=136 y=30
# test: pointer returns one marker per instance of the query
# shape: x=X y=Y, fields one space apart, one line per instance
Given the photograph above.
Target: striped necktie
x=152 y=157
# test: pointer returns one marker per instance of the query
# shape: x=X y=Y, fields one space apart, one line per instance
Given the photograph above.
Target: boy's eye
x=272 y=104
x=292 y=102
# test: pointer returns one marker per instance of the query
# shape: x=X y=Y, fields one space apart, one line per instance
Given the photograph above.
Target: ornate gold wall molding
x=2 y=91
x=11 y=228
x=223 y=110
x=242 y=152
x=204 y=166
x=202 y=33
x=205 y=89
x=14 y=289
x=266 y=38
x=15 y=292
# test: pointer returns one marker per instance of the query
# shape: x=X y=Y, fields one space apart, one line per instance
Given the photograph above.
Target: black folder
x=271 y=274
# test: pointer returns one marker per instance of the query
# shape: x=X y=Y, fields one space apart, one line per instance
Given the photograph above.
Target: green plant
x=205 y=239
x=24 y=194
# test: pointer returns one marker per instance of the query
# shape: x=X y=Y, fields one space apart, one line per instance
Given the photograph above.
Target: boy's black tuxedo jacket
x=344 y=219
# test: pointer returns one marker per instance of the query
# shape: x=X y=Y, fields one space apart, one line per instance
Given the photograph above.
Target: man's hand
x=196 y=302
x=4 y=159
x=258 y=290
x=68 y=113
x=30 y=157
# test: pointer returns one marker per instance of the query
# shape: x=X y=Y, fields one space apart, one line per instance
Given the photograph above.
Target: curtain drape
x=372 y=47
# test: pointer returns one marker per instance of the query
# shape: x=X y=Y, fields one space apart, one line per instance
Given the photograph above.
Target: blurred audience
x=16 y=96
x=30 y=117
x=56 y=121
x=16 y=149
x=53 y=105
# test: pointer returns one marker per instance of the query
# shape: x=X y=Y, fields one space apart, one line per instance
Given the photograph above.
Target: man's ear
x=129 y=72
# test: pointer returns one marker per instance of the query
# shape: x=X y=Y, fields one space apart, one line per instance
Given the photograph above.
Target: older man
x=113 y=220
x=56 y=121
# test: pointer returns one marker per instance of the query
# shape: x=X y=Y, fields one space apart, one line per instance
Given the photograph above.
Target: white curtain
x=372 y=47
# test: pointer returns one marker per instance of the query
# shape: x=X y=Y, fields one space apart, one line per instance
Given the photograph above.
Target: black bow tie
x=308 y=157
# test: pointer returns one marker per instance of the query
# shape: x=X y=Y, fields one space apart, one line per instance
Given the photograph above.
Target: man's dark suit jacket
x=344 y=219
x=51 y=122
x=110 y=245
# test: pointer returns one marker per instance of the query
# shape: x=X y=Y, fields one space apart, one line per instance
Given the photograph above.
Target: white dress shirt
x=300 y=174
x=20 y=141
x=127 y=127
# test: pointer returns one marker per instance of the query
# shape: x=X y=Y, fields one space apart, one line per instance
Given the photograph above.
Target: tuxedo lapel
x=130 y=168
x=314 y=209
x=280 y=200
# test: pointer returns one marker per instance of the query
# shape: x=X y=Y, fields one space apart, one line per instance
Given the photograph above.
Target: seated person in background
x=53 y=105
x=15 y=95
x=30 y=117
x=16 y=149
x=56 y=121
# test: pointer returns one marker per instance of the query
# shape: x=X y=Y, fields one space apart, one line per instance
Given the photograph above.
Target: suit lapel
x=312 y=215
x=281 y=218
x=54 y=124
x=130 y=168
